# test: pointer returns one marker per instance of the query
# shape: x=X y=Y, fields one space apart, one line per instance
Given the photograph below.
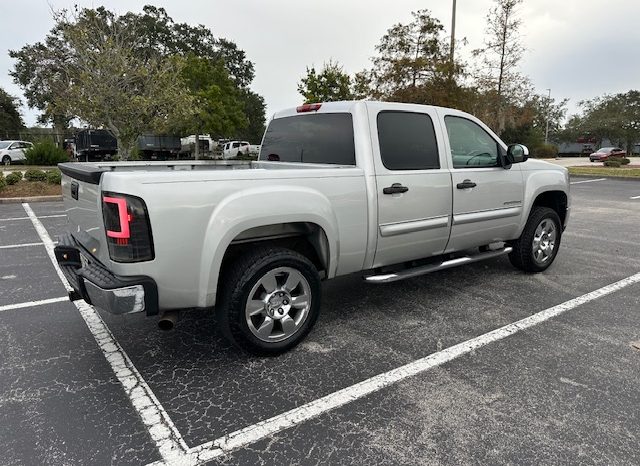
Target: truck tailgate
x=81 y=194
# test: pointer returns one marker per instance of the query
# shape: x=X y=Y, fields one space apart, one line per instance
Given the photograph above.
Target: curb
x=18 y=200
x=609 y=177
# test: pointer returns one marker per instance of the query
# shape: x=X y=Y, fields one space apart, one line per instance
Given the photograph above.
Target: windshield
x=4 y=144
x=606 y=149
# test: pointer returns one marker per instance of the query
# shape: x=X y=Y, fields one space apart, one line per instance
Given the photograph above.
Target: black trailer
x=95 y=144
x=156 y=147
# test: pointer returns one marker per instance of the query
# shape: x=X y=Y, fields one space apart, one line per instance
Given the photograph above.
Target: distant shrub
x=45 y=153
x=54 y=177
x=545 y=151
x=35 y=175
x=3 y=183
x=622 y=160
x=14 y=177
x=612 y=163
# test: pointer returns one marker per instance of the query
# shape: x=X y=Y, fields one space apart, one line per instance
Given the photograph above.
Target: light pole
x=546 y=132
x=453 y=32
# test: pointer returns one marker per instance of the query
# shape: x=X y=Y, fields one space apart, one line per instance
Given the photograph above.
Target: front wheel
x=537 y=247
x=6 y=160
x=270 y=299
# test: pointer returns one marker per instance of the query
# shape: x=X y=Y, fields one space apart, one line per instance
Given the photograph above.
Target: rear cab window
x=407 y=141
x=311 y=138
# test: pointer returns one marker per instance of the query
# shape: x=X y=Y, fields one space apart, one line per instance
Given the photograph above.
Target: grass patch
x=633 y=172
x=31 y=188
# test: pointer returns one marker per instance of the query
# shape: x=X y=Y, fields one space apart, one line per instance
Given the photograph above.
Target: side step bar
x=422 y=270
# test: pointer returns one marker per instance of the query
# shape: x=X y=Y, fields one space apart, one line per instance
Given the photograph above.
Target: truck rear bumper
x=94 y=283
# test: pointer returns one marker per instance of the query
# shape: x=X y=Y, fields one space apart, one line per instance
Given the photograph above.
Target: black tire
x=522 y=256
x=6 y=160
x=238 y=280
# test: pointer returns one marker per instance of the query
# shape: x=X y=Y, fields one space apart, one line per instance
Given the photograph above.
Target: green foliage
x=94 y=61
x=45 y=152
x=545 y=151
x=54 y=177
x=612 y=163
x=14 y=177
x=525 y=134
x=218 y=108
x=329 y=85
x=254 y=110
x=621 y=160
x=3 y=182
x=35 y=175
x=10 y=119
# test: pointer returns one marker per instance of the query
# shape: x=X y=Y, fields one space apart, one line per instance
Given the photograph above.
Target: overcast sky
x=578 y=48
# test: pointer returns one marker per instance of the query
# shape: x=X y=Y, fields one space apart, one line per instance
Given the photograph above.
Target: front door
x=487 y=198
x=413 y=184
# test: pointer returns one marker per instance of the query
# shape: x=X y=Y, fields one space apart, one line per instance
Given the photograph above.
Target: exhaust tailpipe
x=168 y=320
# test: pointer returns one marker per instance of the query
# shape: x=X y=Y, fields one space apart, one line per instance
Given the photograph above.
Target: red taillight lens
x=308 y=108
x=127 y=226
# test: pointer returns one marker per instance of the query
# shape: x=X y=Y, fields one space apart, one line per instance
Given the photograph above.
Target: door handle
x=466 y=184
x=395 y=188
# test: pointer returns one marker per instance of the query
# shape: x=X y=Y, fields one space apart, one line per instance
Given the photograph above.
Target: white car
x=236 y=148
x=13 y=151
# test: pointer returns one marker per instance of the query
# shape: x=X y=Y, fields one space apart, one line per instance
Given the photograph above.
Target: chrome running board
x=425 y=269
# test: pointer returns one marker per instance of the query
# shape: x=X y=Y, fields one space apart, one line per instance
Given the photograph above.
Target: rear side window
x=317 y=138
x=407 y=141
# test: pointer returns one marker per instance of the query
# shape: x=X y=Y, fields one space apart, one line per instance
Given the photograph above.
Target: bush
x=14 y=177
x=54 y=177
x=35 y=175
x=45 y=153
x=612 y=163
x=622 y=160
x=545 y=151
x=3 y=183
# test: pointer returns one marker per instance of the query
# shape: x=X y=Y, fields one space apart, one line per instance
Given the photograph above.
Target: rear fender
x=258 y=207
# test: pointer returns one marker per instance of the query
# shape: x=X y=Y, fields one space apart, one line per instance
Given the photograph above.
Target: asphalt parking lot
x=81 y=387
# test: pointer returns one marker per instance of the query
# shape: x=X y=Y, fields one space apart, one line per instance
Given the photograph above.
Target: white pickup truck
x=233 y=149
x=391 y=190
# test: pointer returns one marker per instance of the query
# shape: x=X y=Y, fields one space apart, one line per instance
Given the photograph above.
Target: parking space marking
x=162 y=431
x=588 y=181
x=634 y=197
x=264 y=429
x=23 y=245
x=9 y=307
x=27 y=218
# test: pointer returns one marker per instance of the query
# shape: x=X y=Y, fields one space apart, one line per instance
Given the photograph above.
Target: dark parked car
x=604 y=153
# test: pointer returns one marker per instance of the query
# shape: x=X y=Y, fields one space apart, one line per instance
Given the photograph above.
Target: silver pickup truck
x=391 y=190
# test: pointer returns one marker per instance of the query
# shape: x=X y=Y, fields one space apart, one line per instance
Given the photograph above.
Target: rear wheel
x=537 y=247
x=270 y=299
x=6 y=160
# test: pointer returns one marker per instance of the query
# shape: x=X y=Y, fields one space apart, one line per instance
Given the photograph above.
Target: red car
x=604 y=153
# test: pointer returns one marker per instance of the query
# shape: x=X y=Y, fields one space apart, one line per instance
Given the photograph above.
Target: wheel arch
x=303 y=221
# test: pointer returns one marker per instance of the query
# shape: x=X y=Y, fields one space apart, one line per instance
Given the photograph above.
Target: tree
x=254 y=110
x=112 y=86
x=10 y=119
x=329 y=85
x=218 y=106
x=614 y=117
x=413 y=65
x=498 y=76
x=45 y=69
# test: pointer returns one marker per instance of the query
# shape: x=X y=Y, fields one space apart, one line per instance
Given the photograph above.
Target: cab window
x=471 y=145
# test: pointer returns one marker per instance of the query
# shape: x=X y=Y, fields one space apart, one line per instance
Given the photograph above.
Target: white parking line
x=634 y=197
x=264 y=429
x=163 y=432
x=9 y=307
x=27 y=218
x=588 y=181
x=23 y=245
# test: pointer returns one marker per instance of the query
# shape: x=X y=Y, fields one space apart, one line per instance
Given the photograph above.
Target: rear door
x=487 y=198
x=413 y=183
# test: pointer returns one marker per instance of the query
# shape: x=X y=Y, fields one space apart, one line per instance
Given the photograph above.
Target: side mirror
x=517 y=153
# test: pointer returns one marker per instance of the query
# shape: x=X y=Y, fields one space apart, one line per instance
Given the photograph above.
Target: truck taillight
x=127 y=226
x=308 y=108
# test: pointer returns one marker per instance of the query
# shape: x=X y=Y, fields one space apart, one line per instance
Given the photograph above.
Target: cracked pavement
x=562 y=392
